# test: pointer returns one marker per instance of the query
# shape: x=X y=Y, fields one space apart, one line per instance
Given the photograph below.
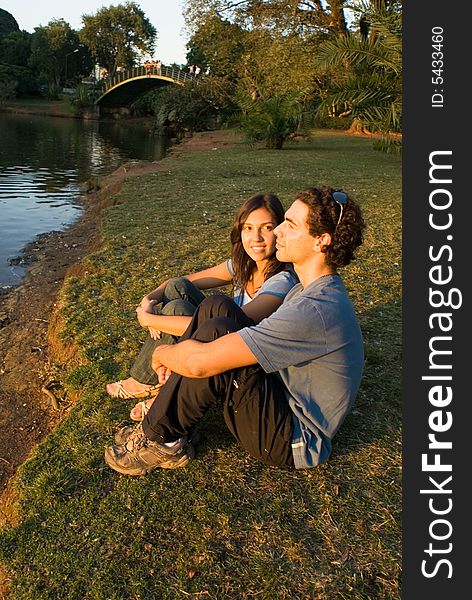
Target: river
x=43 y=161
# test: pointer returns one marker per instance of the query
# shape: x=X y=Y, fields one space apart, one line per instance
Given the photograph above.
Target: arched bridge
x=125 y=87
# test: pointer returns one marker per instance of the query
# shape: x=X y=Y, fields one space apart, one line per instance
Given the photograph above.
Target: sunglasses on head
x=341 y=199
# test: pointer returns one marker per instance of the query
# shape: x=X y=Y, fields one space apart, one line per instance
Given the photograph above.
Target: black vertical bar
x=436 y=217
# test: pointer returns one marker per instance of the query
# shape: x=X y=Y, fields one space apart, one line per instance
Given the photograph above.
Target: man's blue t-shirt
x=315 y=343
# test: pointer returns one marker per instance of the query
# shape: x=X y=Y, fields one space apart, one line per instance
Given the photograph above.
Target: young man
x=285 y=384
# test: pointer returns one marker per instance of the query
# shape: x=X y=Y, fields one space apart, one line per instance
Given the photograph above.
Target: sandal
x=141 y=409
x=122 y=392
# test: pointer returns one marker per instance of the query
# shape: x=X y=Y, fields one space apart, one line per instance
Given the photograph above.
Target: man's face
x=294 y=242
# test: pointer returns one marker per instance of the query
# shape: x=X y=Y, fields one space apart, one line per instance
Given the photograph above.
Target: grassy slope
x=225 y=527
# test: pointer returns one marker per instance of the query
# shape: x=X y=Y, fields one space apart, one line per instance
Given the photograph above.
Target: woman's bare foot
x=130 y=388
x=141 y=409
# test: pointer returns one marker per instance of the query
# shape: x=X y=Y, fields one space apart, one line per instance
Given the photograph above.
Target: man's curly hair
x=323 y=216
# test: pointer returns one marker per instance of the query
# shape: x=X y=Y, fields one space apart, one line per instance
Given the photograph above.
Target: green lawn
x=226 y=527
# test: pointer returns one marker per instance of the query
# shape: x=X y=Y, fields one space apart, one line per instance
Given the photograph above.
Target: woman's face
x=257 y=234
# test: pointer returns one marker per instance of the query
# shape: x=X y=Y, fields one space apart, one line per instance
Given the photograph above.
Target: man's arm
x=204 y=359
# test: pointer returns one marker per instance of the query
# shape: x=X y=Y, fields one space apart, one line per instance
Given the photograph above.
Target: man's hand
x=163 y=372
x=192 y=358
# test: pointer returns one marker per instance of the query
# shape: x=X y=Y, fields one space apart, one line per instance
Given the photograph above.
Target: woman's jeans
x=181 y=298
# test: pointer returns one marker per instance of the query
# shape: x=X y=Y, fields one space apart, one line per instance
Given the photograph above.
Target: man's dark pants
x=255 y=407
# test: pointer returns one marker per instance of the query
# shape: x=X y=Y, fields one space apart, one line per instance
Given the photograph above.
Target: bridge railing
x=172 y=72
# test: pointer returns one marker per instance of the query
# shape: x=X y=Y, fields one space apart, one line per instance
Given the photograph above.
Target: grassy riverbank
x=40 y=106
x=226 y=526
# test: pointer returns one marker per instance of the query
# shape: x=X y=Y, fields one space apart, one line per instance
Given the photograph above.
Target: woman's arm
x=270 y=296
x=166 y=323
x=204 y=280
x=262 y=306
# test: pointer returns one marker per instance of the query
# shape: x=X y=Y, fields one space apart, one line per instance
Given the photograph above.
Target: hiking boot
x=140 y=455
x=122 y=435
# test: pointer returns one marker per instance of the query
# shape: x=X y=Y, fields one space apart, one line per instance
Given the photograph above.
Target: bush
x=184 y=108
x=26 y=83
x=326 y=122
x=7 y=90
x=273 y=119
x=53 y=91
x=82 y=99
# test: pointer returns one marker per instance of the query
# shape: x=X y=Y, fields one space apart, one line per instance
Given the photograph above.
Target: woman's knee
x=178 y=308
x=174 y=288
x=181 y=288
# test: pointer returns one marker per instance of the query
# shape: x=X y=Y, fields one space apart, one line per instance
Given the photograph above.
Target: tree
x=370 y=68
x=53 y=47
x=17 y=80
x=15 y=48
x=219 y=45
x=278 y=16
x=118 y=35
x=8 y=23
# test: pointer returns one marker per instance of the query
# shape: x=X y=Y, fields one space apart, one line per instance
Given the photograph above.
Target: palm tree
x=370 y=70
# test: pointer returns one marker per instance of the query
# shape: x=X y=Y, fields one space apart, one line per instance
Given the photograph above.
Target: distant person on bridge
x=147 y=66
x=260 y=283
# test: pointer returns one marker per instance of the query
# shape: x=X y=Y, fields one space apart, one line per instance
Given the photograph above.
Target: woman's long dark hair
x=243 y=265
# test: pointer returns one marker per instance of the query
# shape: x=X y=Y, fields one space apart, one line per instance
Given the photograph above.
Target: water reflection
x=43 y=160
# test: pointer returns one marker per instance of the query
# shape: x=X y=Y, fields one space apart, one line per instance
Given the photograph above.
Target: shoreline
x=26 y=310
x=27 y=347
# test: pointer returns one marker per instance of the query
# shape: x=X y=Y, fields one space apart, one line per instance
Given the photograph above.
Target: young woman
x=260 y=283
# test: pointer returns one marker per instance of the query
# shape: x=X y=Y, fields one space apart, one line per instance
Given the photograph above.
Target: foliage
x=15 y=48
x=225 y=527
x=264 y=46
x=370 y=80
x=218 y=45
x=277 y=16
x=196 y=106
x=56 y=48
x=324 y=121
x=53 y=91
x=82 y=99
x=118 y=35
x=8 y=23
x=271 y=119
x=7 y=90
x=25 y=82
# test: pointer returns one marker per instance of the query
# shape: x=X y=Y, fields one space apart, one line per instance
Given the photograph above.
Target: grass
x=226 y=527
x=45 y=106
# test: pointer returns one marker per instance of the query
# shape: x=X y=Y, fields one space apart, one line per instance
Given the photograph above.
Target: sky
x=165 y=15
